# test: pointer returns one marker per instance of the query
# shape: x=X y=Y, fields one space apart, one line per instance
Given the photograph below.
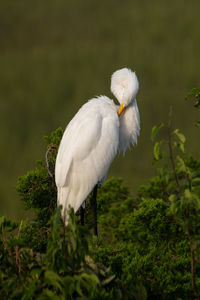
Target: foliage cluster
x=63 y=271
x=148 y=247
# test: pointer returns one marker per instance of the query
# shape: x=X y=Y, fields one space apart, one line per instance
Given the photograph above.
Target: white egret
x=92 y=139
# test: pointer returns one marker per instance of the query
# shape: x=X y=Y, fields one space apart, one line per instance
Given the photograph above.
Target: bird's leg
x=82 y=215
x=94 y=207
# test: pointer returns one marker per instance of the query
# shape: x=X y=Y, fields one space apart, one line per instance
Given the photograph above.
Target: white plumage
x=124 y=85
x=92 y=139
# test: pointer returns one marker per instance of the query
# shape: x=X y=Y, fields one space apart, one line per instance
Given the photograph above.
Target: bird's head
x=124 y=85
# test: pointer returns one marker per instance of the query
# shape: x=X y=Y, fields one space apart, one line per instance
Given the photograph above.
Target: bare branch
x=171 y=150
x=5 y=241
x=17 y=256
x=52 y=147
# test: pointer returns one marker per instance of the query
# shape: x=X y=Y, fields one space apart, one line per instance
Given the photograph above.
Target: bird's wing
x=88 y=146
x=75 y=144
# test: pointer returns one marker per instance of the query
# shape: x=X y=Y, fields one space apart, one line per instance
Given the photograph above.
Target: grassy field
x=54 y=55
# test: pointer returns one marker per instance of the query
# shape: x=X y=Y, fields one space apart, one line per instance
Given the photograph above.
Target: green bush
x=148 y=247
x=153 y=241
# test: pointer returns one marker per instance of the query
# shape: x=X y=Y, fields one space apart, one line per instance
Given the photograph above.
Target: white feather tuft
x=124 y=85
x=129 y=127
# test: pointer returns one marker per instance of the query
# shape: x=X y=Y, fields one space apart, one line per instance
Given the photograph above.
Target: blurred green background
x=55 y=55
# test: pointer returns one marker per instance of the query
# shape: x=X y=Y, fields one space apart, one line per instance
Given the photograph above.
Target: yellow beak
x=120 y=109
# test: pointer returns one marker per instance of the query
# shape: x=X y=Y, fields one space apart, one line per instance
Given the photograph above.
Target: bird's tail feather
x=62 y=196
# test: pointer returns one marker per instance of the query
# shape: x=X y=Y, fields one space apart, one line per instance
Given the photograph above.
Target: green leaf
x=188 y=194
x=108 y=280
x=172 y=198
x=156 y=151
x=54 y=279
x=155 y=130
x=49 y=295
x=90 y=263
x=180 y=136
x=2 y=220
x=197 y=124
x=181 y=165
x=192 y=93
x=180 y=146
x=36 y=271
x=7 y=224
x=196 y=180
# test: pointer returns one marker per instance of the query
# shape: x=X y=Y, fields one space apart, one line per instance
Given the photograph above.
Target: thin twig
x=193 y=271
x=52 y=147
x=17 y=257
x=5 y=241
x=192 y=263
x=171 y=150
